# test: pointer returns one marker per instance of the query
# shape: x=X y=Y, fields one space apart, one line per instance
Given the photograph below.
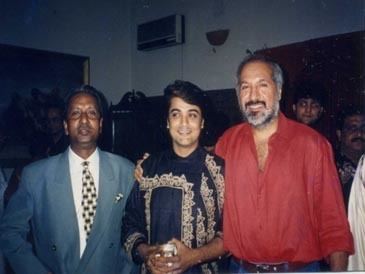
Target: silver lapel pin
x=118 y=197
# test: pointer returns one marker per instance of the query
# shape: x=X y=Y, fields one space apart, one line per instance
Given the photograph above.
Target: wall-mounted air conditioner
x=164 y=32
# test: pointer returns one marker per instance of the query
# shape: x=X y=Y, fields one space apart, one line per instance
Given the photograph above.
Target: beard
x=262 y=118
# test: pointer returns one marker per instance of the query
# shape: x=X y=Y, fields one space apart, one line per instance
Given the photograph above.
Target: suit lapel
x=67 y=242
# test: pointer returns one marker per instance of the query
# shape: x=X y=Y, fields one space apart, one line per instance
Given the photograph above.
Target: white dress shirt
x=76 y=168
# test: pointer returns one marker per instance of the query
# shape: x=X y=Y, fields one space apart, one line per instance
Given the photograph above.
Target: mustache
x=84 y=126
x=357 y=139
x=249 y=103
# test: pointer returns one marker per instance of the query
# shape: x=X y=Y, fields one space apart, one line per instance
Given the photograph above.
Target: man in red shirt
x=283 y=208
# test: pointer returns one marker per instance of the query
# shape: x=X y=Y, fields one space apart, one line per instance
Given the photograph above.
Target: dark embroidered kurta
x=178 y=198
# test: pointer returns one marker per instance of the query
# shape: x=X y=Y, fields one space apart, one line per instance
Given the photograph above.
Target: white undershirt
x=76 y=183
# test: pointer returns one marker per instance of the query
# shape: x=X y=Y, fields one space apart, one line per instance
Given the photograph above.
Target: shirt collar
x=283 y=125
x=191 y=156
x=93 y=159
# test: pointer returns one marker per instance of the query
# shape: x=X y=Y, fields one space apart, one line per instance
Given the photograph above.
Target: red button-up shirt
x=293 y=210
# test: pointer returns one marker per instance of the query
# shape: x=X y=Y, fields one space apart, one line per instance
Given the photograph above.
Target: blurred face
x=258 y=94
x=307 y=110
x=54 y=121
x=83 y=123
x=184 y=123
x=352 y=136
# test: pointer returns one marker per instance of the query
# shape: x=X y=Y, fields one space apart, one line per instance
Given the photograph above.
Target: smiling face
x=307 y=110
x=184 y=123
x=83 y=124
x=258 y=94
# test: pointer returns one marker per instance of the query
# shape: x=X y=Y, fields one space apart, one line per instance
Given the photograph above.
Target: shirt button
x=54 y=248
x=111 y=245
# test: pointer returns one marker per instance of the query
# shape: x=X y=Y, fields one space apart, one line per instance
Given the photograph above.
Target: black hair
x=188 y=92
x=89 y=90
x=346 y=112
x=307 y=89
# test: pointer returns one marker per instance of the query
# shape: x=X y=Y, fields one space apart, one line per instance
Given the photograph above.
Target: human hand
x=185 y=258
x=138 y=171
x=147 y=252
x=157 y=263
x=338 y=261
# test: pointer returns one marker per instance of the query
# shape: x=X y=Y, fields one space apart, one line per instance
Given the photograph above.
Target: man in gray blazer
x=72 y=209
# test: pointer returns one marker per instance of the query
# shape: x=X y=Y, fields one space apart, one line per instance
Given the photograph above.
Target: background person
x=351 y=136
x=57 y=139
x=309 y=100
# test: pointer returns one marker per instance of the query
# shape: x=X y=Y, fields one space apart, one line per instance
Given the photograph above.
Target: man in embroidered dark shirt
x=351 y=135
x=180 y=197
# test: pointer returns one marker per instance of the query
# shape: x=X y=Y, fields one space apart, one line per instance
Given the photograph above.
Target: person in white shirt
x=73 y=209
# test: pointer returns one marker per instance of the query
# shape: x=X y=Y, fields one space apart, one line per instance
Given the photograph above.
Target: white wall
x=98 y=29
x=106 y=32
x=253 y=24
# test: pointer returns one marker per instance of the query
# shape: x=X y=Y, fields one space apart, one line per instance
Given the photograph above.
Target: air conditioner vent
x=164 y=32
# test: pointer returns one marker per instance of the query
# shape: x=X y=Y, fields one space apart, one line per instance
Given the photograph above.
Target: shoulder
x=300 y=132
x=232 y=131
x=45 y=164
x=230 y=137
x=361 y=165
x=217 y=160
x=116 y=160
x=121 y=168
x=156 y=159
x=307 y=140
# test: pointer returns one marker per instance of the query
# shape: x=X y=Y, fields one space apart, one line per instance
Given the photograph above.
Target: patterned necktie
x=89 y=198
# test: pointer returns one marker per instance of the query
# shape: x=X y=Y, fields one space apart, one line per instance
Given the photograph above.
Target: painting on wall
x=31 y=79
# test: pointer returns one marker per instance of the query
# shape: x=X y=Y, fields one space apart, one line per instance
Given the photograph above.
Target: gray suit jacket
x=44 y=204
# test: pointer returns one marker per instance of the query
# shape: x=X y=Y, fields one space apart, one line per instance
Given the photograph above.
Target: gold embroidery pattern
x=178 y=182
x=205 y=269
x=147 y=211
x=218 y=179
x=208 y=199
x=200 y=229
x=215 y=267
x=130 y=243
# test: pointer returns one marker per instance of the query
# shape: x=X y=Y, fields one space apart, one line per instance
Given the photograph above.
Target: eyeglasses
x=91 y=114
